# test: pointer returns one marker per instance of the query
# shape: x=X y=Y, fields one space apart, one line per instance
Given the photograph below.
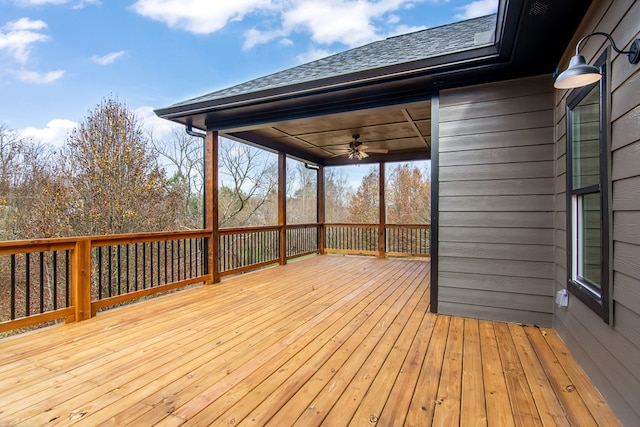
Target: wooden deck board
x=329 y=340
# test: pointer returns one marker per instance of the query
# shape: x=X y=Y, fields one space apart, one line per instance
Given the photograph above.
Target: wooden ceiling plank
x=415 y=128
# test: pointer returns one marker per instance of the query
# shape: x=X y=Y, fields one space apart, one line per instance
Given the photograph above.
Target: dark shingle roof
x=432 y=42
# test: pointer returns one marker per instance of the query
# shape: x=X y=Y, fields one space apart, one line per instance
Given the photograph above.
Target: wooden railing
x=358 y=239
x=248 y=248
x=408 y=240
x=73 y=278
x=302 y=239
x=363 y=239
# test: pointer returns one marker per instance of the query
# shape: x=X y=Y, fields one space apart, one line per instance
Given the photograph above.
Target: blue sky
x=59 y=58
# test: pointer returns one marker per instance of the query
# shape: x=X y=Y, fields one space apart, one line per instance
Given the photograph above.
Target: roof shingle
x=419 y=45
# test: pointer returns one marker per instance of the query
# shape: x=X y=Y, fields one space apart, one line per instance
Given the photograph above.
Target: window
x=587 y=195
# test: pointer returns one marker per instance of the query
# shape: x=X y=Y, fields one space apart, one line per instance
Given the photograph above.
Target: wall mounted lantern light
x=579 y=73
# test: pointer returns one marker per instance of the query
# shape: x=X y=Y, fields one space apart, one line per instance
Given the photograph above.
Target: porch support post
x=382 y=251
x=211 y=205
x=282 y=205
x=321 y=210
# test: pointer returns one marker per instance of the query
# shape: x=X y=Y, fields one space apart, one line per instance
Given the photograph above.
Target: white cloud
x=107 y=59
x=254 y=37
x=405 y=29
x=312 y=55
x=153 y=124
x=54 y=134
x=351 y=22
x=18 y=37
x=35 y=77
x=344 y=21
x=199 y=16
x=477 y=8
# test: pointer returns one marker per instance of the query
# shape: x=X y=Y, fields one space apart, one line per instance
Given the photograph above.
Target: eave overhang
x=524 y=46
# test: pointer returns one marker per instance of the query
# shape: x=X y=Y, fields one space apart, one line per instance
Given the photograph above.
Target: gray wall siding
x=497 y=201
x=609 y=354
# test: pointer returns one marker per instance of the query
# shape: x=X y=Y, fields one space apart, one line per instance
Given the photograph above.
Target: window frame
x=599 y=302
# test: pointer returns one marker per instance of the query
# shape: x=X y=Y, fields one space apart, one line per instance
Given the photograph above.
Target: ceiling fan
x=358 y=151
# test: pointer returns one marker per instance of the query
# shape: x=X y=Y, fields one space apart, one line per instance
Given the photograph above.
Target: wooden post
x=321 y=210
x=81 y=279
x=382 y=250
x=282 y=205
x=211 y=213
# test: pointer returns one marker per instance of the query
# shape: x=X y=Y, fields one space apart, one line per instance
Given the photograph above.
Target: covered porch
x=333 y=340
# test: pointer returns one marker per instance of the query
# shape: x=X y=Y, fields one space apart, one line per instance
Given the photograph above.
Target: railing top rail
x=123 y=239
x=347 y=225
x=240 y=230
x=63 y=243
x=408 y=225
x=38 y=245
x=350 y=225
x=308 y=225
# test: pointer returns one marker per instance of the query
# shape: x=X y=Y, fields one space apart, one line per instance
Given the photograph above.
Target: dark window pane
x=589 y=261
x=585 y=133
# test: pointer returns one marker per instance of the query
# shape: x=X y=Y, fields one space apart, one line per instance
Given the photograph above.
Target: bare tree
x=248 y=183
x=302 y=193
x=184 y=158
x=337 y=195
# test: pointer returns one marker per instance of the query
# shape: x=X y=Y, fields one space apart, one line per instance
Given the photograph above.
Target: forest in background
x=112 y=177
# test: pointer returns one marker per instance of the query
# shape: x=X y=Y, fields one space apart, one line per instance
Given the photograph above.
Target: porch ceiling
x=404 y=130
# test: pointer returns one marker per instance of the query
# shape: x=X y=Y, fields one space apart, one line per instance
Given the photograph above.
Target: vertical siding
x=609 y=354
x=496 y=195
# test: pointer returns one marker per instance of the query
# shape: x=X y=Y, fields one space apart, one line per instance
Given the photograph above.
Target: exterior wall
x=496 y=201
x=609 y=354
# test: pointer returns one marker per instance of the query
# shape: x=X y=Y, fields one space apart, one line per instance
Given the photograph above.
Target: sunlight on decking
x=328 y=340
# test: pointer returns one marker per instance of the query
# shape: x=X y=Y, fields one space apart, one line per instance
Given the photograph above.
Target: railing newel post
x=81 y=279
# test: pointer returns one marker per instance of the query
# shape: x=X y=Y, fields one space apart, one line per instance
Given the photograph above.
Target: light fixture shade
x=578 y=74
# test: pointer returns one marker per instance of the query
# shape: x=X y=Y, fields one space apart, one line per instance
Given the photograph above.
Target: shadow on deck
x=325 y=340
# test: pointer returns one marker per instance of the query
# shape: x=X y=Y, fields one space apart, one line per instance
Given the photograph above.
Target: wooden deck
x=326 y=340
